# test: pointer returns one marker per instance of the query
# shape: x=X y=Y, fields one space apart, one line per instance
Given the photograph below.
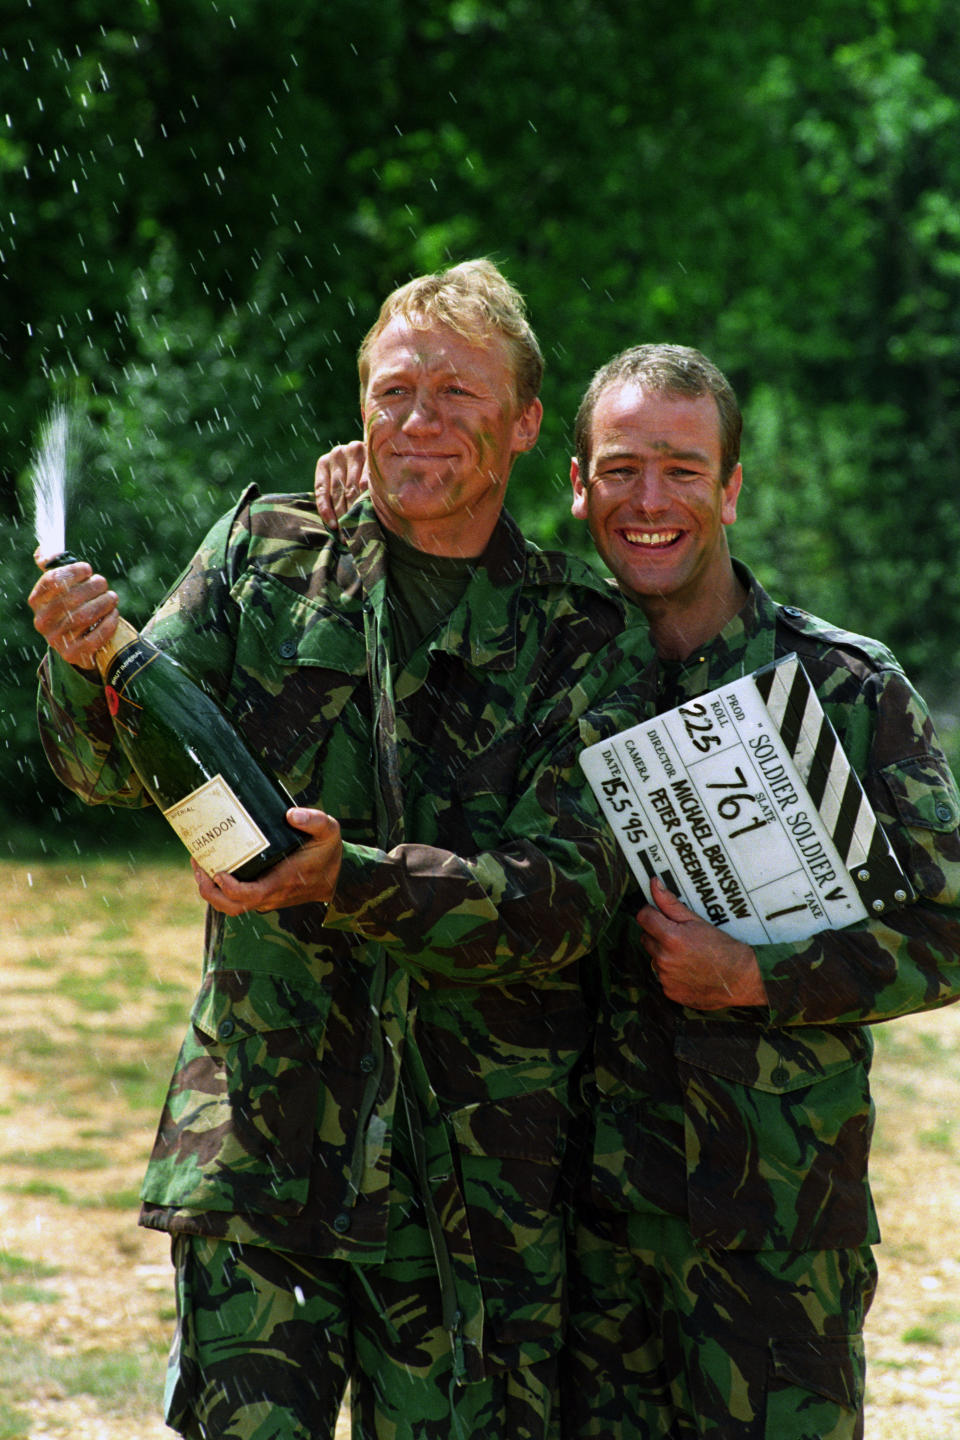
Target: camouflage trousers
x=670 y=1341
x=267 y=1341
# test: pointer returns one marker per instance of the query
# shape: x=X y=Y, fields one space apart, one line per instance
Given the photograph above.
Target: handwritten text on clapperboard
x=708 y=797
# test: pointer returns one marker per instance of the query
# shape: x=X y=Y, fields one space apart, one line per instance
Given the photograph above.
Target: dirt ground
x=77 y=1117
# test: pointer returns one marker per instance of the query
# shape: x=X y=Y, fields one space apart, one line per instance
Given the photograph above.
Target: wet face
x=654 y=499
x=443 y=428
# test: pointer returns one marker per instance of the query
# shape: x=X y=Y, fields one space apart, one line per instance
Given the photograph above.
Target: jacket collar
x=483 y=628
x=743 y=645
x=753 y=628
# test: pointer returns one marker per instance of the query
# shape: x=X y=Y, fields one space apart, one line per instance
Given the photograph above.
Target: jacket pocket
x=633 y=1162
x=237 y=1130
x=922 y=797
x=811 y=1381
x=777 y=1135
x=510 y=1156
x=299 y=676
x=774 y=1061
x=485 y=789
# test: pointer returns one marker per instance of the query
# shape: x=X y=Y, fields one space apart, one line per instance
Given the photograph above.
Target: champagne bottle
x=225 y=807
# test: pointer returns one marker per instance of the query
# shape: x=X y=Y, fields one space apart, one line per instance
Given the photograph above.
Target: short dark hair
x=664 y=370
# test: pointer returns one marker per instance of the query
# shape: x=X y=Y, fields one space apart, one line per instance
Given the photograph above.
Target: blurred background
x=202 y=203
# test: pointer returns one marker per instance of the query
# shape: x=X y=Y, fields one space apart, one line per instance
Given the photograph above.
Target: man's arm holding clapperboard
x=874 y=969
x=697 y=963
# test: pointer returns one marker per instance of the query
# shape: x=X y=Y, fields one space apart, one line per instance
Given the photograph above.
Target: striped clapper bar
x=831 y=784
x=744 y=804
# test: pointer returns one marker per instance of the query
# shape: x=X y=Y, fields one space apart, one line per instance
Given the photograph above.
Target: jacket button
x=288 y=648
x=944 y=811
x=341 y=1222
x=368 y=1064
x=225 y=1029
x=780 y=1075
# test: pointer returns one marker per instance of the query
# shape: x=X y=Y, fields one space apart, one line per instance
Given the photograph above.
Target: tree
x=205 y=204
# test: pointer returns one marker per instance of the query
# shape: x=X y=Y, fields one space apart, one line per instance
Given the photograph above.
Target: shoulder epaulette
x=251 y=493
x=292 y=518
x=802 y=623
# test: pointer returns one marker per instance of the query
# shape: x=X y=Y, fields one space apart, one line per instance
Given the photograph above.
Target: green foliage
x=204 y=205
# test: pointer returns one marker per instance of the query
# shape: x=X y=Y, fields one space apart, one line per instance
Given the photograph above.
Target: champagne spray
x=50 y=469
x=226 y=807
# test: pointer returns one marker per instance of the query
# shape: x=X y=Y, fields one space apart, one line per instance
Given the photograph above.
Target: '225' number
x=699 y=726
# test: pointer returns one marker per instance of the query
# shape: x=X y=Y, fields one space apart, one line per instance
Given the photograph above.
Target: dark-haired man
x=724 y=1228
x=723 y=1260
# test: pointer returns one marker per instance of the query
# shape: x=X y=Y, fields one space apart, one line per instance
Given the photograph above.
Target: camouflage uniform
x=723 y=1263
x=375 y=1096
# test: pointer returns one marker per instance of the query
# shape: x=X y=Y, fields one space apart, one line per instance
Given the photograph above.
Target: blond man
x=361 y=1152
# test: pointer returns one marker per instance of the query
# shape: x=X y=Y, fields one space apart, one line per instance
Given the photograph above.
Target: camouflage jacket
x=757 y=1124
x=476 y=870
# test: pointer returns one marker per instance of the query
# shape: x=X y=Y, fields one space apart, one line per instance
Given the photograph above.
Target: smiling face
x=654 y=499
x=443 y=427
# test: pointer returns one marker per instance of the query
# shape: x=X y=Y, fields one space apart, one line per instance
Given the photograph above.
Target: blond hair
x=475 y=300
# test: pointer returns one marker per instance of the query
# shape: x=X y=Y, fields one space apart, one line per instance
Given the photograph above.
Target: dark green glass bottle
x=226 y=808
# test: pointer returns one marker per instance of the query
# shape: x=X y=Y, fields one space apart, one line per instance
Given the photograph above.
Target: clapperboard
x=743 y=802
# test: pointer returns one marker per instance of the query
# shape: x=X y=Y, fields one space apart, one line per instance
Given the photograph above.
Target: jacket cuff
x=785 y=971
x=70 y=683
x=355 y=885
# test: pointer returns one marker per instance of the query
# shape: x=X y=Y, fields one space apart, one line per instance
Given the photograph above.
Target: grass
x=27 y=1294
x=14 y=1423
x=921 y=1335
x=99 y=960
x=59 y=1158
x=19 y=1277
x=124 y=1382
x=940 y=1138
x=41 y=1190
x=16 y=1266
x=118 y=1382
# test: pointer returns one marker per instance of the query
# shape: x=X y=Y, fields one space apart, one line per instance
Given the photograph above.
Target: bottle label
x=125 y=666
x=219 y=833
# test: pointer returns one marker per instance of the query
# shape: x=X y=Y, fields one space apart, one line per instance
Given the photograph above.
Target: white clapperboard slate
x=743 y=802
